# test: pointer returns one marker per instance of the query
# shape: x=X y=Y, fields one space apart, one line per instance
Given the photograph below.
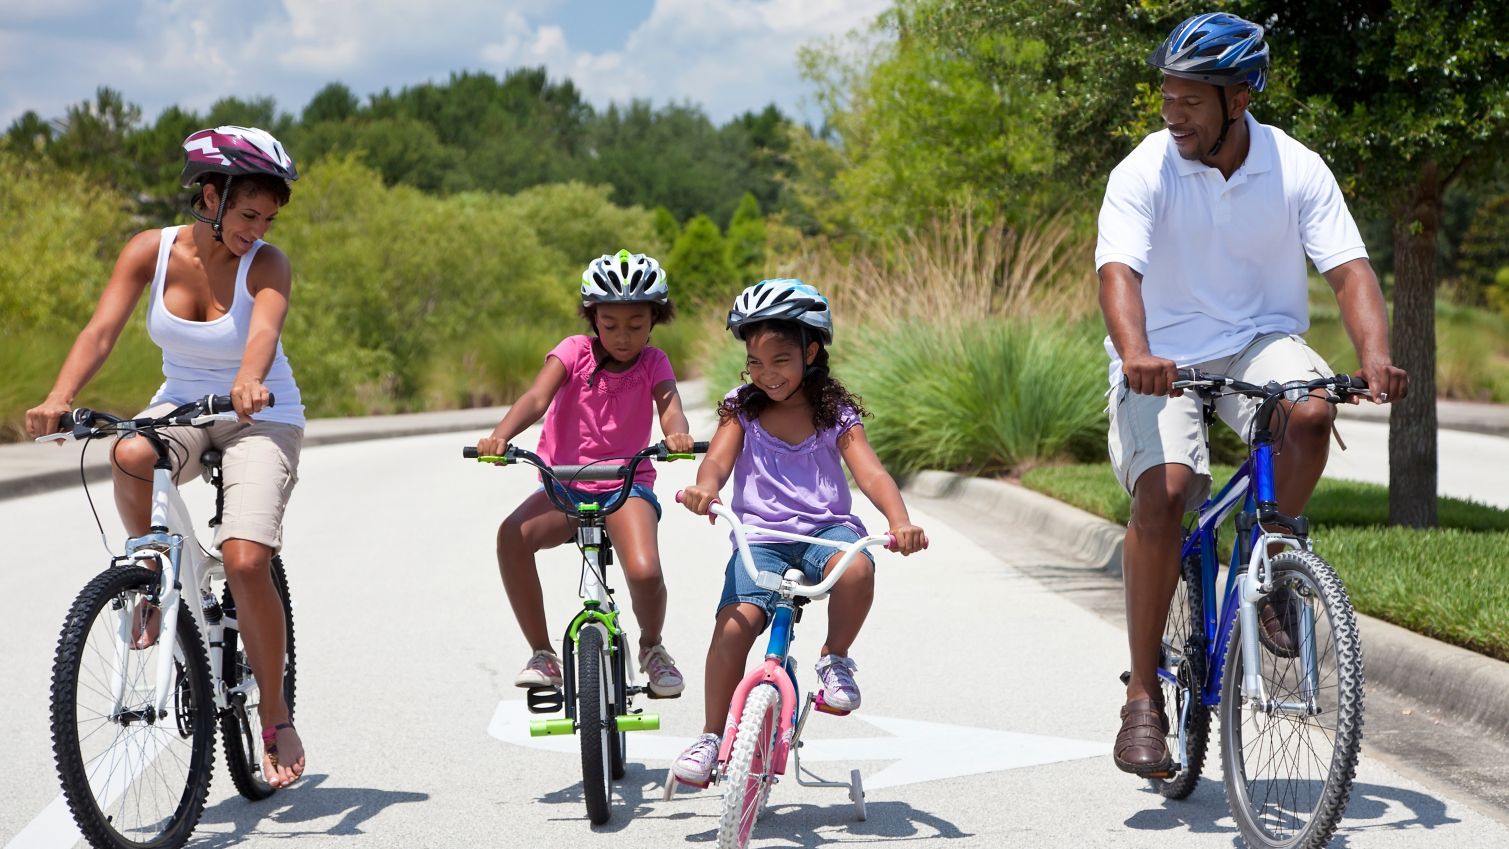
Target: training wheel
x=857 y=794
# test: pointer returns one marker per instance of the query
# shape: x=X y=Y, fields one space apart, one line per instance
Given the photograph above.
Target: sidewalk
x=1450 y=415
x=1462 y=683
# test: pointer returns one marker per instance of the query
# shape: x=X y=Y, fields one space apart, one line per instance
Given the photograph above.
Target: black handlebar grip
x=220 y=404
x=1187 y=373
x=469 y=452
x=700 y=447
x=1356 y=382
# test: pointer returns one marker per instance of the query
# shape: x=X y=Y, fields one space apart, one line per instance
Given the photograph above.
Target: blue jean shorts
x=606 y=499
x=777 y=557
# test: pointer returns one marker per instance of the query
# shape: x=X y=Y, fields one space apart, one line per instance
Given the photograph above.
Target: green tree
x=334 y=102
x=746 y=241
x=698 y=265
x=926 y=117
x=667 y=228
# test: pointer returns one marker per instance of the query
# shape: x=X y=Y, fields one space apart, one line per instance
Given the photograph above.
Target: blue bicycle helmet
x=1216 y=48
x=782 y=298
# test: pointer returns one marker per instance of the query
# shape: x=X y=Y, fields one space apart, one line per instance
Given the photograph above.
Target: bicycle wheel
x=594 y=724
x=1290 y=763
x=748 y=778
x=132 y=776
x=619 y=742
x=241 y=724
x=1182 y=675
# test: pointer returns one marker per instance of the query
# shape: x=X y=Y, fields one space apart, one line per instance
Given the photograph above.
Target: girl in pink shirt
x=596 y=394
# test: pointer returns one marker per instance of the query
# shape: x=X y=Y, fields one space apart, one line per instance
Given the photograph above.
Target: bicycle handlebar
x=779 y=583
x=603 y=470
x=1200 y=381
x=84 y=423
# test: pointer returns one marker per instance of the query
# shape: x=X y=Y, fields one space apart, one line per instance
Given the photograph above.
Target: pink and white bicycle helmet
x=236 y=151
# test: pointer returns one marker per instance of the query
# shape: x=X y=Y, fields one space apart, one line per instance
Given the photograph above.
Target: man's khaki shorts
x=259 y=466
x=1149 y=431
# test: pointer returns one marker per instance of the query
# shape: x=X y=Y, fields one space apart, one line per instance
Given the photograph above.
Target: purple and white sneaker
x=695 y=765
x=838 y=688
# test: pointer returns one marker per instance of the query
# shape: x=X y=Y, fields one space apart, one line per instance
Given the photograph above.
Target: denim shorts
x=777 y=557
x=606 y=499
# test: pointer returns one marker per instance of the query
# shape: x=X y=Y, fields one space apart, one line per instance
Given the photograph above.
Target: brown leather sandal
x=1278 y=623
x=1141 y=747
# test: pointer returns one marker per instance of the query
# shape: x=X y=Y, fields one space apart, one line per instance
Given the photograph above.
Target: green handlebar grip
x=552 y=727
x=499 y=460
x=681 y=456
x=639 y=722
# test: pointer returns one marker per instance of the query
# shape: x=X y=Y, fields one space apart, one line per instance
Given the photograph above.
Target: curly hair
x=659 y=313
x=828 y=397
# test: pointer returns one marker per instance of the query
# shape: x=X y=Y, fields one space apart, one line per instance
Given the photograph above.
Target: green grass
x=1451 y=583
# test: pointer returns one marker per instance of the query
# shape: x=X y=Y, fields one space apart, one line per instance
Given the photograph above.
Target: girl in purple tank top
x=786 y=436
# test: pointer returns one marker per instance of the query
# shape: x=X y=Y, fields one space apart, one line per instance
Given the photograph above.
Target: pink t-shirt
x=607 y=420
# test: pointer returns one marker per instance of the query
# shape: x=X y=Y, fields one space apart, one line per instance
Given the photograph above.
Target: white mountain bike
x=133 y=730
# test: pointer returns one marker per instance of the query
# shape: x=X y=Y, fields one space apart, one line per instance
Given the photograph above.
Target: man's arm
x=1126 y=322
x=1365 y=316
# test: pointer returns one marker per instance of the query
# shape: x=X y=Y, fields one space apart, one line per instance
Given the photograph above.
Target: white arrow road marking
x=922 y=751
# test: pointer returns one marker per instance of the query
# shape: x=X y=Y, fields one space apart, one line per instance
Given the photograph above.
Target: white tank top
x=202 y=358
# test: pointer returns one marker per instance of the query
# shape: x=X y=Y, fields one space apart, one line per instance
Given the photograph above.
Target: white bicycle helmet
x=624 y=278
x=782 y=298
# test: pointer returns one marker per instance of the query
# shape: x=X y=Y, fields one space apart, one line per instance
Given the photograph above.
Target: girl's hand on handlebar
x=698 y=499
x=249 y=396
x=491 y=446
x=909 y=538
x=45 y=418
x=679 y=443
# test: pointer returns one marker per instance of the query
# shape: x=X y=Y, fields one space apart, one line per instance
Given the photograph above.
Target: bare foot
x=283 y=754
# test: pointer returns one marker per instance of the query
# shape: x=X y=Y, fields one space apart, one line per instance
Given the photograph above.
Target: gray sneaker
x=542 y=670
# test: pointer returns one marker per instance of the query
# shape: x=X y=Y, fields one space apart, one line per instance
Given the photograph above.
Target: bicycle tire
x=1308 y=744
x=619 y=744
x=1184 y=633
x=748 y=778
x=145 y=782
x=240 y=724
x=594 y=725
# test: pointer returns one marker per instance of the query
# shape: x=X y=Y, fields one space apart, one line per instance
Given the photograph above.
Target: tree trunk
x=1412 y=421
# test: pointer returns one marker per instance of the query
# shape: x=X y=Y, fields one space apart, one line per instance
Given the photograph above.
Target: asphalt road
x=990 y=699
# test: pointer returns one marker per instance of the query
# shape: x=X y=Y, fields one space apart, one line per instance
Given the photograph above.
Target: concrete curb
x=1462 y=683
x=28 y=469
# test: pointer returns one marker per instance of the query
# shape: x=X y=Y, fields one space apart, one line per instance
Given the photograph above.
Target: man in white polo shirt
x=1204 y=233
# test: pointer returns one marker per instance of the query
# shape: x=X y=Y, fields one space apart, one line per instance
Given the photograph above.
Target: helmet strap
x=1226 y=121
x=220 y=209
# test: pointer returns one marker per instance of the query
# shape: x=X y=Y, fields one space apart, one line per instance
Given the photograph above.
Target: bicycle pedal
x=825 y=707
x=544 y=699
x=651 y=694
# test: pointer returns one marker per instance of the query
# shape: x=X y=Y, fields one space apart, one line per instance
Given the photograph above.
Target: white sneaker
x=542 y=670
x=695 y=765
x=837 y=675
x=660 y=670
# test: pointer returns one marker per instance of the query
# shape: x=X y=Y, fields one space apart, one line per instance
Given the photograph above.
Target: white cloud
x=727 y=55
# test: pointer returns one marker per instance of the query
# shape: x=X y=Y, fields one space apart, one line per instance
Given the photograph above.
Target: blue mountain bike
x=1289 y=697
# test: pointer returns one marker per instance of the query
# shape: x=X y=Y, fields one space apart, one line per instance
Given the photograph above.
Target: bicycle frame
x=774 y=669
x=1252 y=488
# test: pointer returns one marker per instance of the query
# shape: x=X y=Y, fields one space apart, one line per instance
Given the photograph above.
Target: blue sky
x=727 y=55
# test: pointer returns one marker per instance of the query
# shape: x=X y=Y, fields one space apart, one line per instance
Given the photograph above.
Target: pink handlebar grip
x=680 y=496
x=891 y=546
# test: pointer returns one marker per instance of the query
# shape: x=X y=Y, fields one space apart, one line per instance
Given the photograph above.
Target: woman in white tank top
x=218 y=296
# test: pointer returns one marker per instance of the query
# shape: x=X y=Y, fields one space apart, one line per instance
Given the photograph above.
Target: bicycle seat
x=796 y=576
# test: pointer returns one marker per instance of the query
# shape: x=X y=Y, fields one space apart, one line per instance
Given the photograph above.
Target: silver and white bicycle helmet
x=624 y=278
x=782 y=298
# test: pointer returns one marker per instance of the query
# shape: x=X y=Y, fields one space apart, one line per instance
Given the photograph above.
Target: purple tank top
x=794 y=488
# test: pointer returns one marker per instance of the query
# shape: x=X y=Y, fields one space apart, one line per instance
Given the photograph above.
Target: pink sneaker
x=542 y=670
x=664 y=678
